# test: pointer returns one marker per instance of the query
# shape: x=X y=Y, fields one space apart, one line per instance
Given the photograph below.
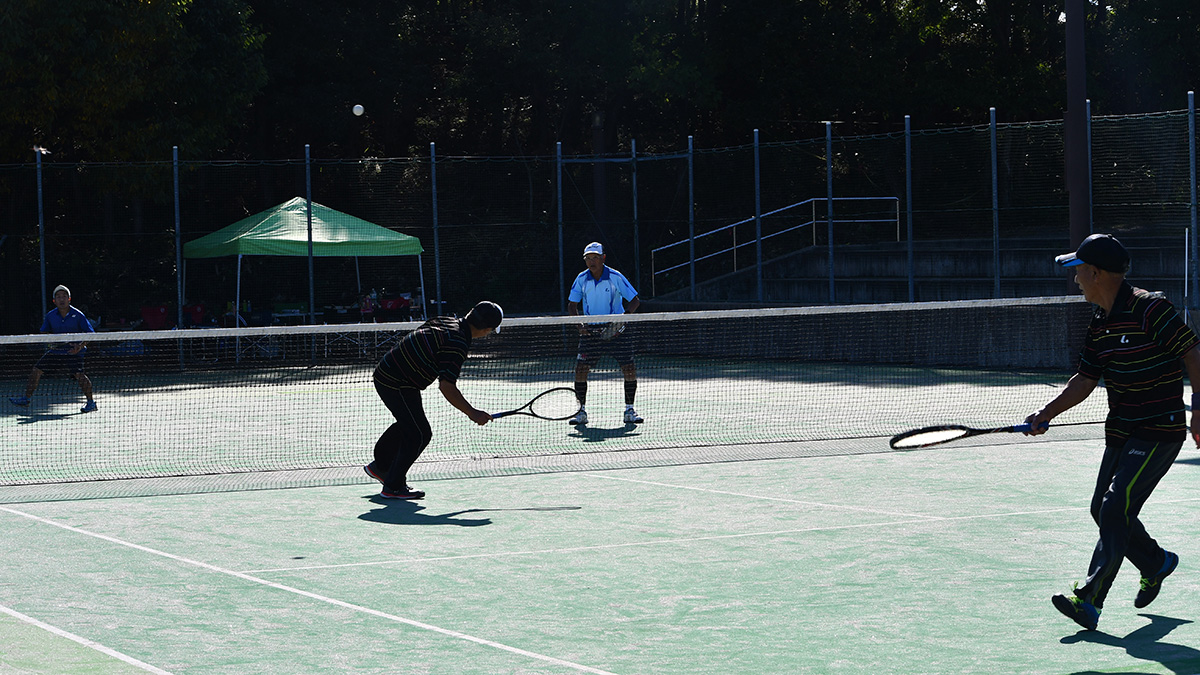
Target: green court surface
x=935 y=561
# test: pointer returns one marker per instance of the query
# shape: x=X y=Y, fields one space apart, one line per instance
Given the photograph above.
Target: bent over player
x=66 y=357
x=1137 y=343
x=602 y=290
x=434 y=351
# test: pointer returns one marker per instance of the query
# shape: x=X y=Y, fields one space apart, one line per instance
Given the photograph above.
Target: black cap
x=485 y=315
x=1099 y=250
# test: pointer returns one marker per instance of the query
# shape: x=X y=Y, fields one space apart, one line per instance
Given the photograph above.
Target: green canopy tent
x=283 y=231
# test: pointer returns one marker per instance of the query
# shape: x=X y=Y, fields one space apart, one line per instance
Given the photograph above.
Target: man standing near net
x=434 y=351
x=66 y=357
x=602 y=290
x=1137 y=343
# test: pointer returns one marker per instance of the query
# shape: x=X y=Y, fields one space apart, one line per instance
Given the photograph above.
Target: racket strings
x=560 y=403
x=930 y=437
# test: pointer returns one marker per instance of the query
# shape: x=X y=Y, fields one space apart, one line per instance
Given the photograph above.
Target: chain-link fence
x=950 y=213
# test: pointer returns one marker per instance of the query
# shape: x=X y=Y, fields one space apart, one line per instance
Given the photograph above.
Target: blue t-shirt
x=73 y=322
x=603 y=295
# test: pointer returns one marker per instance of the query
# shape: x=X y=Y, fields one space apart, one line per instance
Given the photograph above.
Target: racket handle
x=1022 y=428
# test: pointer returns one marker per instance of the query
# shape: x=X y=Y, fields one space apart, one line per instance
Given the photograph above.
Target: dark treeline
x=106 y=80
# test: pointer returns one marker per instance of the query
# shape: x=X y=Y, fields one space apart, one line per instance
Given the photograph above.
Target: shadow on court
x=591 y=434
x=403 y=512
x=1146 y=644
x=33 y=417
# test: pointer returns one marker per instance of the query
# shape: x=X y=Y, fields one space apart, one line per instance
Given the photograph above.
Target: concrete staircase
x=943 y=270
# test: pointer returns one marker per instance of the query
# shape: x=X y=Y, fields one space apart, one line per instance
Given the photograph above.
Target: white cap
x=594 y=247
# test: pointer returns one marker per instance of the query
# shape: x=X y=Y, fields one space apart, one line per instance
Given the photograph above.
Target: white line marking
x=771 y=499
x=314 y=596
x=83 y=641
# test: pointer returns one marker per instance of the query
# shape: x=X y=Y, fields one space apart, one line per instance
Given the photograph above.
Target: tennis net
x=282 y=406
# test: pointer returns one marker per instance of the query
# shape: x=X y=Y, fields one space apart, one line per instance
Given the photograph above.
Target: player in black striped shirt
x=1139 y=345
x=434 y=351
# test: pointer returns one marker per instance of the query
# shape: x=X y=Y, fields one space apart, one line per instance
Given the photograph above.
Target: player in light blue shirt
x=601 y=290
x=66 y=357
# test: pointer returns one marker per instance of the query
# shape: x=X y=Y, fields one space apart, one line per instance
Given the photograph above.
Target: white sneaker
x=579 y=418
x=631 y=416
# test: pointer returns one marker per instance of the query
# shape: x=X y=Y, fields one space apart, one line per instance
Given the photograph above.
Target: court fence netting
x=255 y=408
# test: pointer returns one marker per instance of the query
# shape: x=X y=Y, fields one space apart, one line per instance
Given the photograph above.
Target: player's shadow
x=34 y=417
x=591 y=434
x=406 y=512
x=1146 y=644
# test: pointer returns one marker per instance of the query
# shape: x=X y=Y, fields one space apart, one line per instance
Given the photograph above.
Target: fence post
x=758 y=255
x=179 y=280
x=1192 y=163
x=829 y=202
x=637 y=248
x=437 y=247
x=38 y=151
x=691 y=219
x=312 y=296
x=562 y=282
x=995 y=210
x=912 y=290
x=1091 y=210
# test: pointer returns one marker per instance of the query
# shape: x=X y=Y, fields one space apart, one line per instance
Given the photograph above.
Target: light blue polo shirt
x=73 y=322
x=603 y=295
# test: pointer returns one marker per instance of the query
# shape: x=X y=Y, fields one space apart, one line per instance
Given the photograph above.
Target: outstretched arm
x=456 y=399
x=1078 y=388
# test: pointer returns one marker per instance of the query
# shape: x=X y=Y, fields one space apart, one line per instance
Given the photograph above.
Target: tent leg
x=358 y=276
x=424 y=302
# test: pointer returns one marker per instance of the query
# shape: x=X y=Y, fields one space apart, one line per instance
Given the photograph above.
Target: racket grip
x=1022 y=428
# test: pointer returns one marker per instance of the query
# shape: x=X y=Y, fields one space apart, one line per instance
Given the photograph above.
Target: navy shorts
x=592 y=346
x=60 y=362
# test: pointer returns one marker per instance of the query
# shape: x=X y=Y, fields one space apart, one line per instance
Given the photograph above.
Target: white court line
x=83 y=641
x=314 y=596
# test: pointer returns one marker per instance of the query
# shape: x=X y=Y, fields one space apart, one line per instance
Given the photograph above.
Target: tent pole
x=358 y=275
x=237 y=312
x=424 y=300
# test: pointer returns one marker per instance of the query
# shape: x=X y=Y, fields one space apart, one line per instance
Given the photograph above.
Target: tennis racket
x=923 y=438
x=558 y=403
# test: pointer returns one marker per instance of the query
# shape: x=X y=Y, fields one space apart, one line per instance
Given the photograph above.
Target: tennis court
x=213 y=517
x=935 y=561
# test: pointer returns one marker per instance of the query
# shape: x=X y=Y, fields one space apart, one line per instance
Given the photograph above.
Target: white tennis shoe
x=631 y=416
x=579 y=418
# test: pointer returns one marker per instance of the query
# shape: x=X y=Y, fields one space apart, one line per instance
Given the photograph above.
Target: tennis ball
x=358 y=109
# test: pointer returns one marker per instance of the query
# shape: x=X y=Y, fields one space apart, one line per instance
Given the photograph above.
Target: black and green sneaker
x=1152 y=585
x=1075 y=609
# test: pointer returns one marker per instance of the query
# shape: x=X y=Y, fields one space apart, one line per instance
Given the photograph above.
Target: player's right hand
x=1038 y=423
x=479 y=417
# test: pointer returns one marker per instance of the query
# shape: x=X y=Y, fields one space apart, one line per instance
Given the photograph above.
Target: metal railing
x=732 y=230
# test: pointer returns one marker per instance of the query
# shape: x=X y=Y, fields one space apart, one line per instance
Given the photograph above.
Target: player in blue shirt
x=602 y=290
x=66 y=357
